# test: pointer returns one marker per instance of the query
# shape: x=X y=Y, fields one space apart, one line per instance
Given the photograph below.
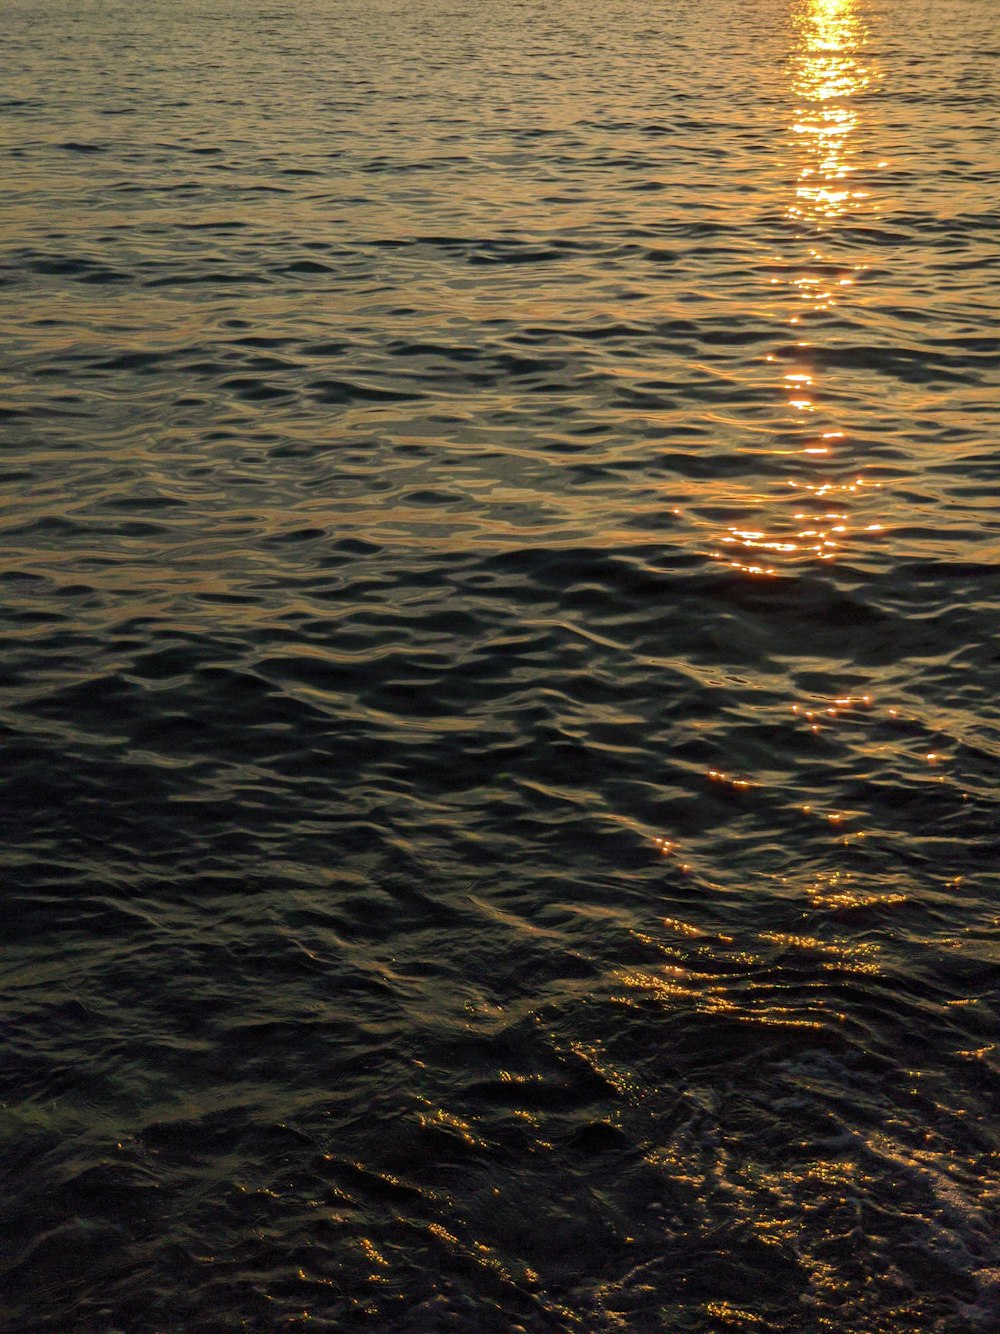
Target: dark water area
x=499 y=711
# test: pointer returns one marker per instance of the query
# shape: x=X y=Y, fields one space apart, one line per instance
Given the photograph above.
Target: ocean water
x=498 y=599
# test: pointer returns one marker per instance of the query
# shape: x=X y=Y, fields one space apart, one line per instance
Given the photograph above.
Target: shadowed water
x=499 y=670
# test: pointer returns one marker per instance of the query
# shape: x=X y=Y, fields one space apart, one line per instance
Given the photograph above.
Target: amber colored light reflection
x=830 y=75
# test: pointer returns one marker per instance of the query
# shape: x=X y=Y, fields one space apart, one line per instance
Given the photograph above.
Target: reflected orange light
x=830 y=74
x=831 y=71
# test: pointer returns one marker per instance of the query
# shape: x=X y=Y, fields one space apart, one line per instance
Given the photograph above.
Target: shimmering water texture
x=500 y=688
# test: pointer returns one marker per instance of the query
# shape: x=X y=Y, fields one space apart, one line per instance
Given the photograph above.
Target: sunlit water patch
x=499 y=677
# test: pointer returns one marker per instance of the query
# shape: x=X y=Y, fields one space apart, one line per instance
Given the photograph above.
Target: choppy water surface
x=499 y=666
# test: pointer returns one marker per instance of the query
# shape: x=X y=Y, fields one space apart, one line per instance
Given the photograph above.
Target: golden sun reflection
x=831 y=147
x=830 y=74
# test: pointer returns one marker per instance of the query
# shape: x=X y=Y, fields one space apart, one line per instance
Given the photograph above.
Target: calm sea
x=499 y=602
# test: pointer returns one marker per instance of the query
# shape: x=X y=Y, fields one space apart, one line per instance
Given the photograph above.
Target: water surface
x=500 y=683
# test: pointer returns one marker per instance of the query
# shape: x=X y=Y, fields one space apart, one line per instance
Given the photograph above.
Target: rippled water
x=500 y=683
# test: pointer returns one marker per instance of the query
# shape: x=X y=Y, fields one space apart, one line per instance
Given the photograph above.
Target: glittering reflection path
x=851 y=803
x=827 y=507
x=854 y=554
x=800 y=524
